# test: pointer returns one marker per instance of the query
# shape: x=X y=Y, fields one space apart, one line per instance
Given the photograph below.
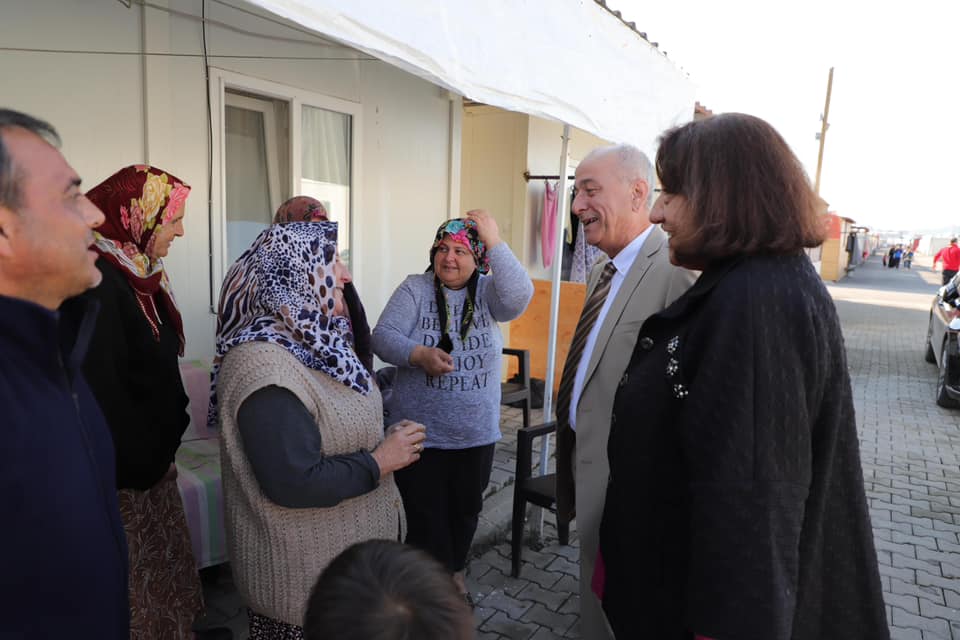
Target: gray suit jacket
x=650 y=286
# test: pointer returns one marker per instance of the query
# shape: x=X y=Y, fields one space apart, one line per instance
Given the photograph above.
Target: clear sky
x=892 y=153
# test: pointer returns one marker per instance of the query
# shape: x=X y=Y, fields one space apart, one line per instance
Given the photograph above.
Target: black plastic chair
x=538 y=490
x=518 y=391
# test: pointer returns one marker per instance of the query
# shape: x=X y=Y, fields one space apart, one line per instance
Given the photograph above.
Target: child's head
x=385 y=590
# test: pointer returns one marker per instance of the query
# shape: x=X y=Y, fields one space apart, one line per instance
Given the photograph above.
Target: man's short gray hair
x=10 y=176
x=633 y=164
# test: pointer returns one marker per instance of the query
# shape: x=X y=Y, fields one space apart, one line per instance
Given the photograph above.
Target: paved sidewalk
x=910 y=447
x=910 y=453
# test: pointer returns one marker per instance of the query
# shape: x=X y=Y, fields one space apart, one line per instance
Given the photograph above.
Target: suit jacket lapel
x=651 y=246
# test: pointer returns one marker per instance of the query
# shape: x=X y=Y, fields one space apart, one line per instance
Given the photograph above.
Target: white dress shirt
x=623 y=262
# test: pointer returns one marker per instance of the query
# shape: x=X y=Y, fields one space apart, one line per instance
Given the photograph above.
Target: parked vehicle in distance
x=942 y=342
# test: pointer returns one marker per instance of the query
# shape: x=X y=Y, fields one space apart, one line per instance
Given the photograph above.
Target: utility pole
x=823 y=131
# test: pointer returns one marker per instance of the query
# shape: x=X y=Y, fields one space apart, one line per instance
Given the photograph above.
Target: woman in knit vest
x=440 y=329
x=307 y=471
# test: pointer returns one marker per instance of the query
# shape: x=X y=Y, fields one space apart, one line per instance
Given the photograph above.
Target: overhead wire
x=235 y=29
x=316 y=41
x=170 y=54
x=292 y=27
x=204 y=20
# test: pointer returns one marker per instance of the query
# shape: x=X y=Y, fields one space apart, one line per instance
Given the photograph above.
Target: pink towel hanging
x=548 y=224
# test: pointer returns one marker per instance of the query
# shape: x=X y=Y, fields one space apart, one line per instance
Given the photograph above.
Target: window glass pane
x=325 y=166
x=247 y=186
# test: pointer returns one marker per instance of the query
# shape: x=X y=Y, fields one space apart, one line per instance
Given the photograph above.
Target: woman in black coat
x=736 y=507
x=133 y=368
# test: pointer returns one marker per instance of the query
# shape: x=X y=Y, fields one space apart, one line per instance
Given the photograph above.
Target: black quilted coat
x=736 y=505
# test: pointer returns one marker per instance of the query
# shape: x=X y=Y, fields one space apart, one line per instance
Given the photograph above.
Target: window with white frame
x=272 y=142
x=325 y=165
x=251 y=168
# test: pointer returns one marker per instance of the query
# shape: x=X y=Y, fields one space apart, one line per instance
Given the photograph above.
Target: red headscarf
x=301 y=209
x=137 y=201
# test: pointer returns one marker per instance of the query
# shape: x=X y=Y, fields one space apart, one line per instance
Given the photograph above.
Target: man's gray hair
x=10 y=176
x=634 y=165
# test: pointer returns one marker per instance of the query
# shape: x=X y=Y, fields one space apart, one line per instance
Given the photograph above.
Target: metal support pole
x=563 y=204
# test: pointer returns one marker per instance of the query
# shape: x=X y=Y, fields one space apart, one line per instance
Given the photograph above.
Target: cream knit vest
x=277 y=553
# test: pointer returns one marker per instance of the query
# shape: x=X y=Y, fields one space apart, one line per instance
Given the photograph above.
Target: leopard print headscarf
x=281 y=291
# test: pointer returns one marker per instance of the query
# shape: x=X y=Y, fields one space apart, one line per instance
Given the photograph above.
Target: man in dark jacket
x=62 y=548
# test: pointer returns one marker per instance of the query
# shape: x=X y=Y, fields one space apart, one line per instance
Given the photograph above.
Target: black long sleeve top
x=136 y=380
x=285 y=450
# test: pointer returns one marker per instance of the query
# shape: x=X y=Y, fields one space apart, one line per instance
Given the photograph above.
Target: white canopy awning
x=567 y=60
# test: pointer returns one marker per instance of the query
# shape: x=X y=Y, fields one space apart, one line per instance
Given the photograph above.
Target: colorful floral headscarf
x=136 y=202
x=301 y=209
x=464 y=231
x=281 y=291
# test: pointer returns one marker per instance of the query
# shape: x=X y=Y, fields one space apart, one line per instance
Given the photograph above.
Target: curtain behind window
x=247 y=190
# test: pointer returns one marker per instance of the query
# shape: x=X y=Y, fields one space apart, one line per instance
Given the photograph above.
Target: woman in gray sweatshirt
x=440 y=329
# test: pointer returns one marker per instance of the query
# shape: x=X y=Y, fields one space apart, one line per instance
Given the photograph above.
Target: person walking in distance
x=950 y=256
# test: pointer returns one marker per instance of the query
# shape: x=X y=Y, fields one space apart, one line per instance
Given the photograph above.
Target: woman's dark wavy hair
x=385 y=590
x=746 y=191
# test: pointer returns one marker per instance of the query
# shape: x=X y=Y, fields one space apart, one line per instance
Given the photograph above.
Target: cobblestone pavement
x=910 y=452
x=542 y=604
x=910 y=447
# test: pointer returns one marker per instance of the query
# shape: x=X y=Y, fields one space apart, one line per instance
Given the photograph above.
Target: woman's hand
x=401 y=447
x=487 y=227
x=434 y=361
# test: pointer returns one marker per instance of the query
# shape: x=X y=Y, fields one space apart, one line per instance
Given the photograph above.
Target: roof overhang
x=570 y=61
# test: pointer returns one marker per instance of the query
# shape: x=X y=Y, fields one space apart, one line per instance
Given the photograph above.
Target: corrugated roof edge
x=630 y=25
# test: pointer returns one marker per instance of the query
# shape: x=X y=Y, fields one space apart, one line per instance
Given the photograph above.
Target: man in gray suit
x=613 y=199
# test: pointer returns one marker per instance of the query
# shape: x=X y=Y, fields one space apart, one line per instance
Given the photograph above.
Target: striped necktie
x=588 y=317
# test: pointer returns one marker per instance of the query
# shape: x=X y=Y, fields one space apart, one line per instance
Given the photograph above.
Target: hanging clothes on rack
x=584 y=257
x=548 y=223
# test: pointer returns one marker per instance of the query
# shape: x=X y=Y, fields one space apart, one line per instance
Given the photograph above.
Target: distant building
x=840 y=247
x=931 y=244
